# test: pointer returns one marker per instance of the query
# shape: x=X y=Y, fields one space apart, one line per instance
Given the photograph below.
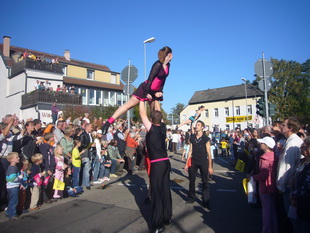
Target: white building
x=226 y=107
x=93 y=84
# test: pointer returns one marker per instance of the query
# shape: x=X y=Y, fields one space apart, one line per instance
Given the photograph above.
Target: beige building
x=226 y=107
x=83 y=83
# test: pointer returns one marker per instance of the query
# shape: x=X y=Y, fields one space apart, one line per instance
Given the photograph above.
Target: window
x=112 y=98
x=227 y=127
x=124 y=98
x=206 y=113
x=119 y=98
x=105 y=98
x=113 y=78
x=216 y=112
x=237 y=110
x=238 y=126
x=226 y=111
x=249 y=109
x=91 y=99
x=90 y=74
x=83 y=94
x=98 y=97
x=64 y=70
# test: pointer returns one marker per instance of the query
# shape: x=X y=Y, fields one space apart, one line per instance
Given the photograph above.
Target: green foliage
x=290 y=89
x=176 y=111
x=97 y=111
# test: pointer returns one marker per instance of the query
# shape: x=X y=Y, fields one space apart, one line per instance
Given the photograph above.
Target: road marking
x=219 y=171
x=129 y=185
x=226 y=190
x=224 y=161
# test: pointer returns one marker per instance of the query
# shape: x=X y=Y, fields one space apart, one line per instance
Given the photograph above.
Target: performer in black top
x=160 y=169
x=199 y=157
x=150 y=90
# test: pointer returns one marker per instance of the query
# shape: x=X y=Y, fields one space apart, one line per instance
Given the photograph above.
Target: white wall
x=33 y=75
x=3 y=81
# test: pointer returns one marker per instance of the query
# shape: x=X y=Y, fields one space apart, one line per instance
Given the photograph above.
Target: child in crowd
x=105 y=165
x=193 y=118
x=60 y=168
x=224 y=147
x=267 y=184
x=13 y=182
x=76 y=163
x=35 y=184
x=24 y=185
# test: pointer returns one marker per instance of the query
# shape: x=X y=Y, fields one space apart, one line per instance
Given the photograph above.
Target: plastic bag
x=252 y=191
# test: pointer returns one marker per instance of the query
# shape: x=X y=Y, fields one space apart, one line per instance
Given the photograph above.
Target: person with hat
x=267 y=184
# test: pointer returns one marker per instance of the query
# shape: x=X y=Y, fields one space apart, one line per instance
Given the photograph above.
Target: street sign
x=131 y=89
x=259 y=68
x=261 y=84
x=133 y=74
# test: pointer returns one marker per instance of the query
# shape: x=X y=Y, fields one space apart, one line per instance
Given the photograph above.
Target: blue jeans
x=96 y=169
x=76 y=176
x=113 y=166
x=13 y=201
x=86 y=169
x=104 y=171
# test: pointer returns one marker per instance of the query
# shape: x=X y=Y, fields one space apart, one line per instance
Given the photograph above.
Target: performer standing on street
x=150 y=90
x=199 y=157
x=160 y=169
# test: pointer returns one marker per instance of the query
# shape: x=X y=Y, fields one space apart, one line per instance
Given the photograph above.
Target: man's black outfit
x=199 y=161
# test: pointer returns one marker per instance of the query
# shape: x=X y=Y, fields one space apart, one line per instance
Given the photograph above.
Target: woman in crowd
x=97 y=158
x=150 y=90
x=67 y=144
x=267 y=184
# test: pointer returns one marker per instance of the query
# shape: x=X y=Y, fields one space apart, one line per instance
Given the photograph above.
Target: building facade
x=84 y=83
x=226 y=108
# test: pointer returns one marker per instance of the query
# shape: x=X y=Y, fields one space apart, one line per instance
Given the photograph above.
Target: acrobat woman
x=150 y=90
x=193 y=118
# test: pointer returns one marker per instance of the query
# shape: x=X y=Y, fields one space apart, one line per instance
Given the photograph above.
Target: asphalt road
x=120 y=207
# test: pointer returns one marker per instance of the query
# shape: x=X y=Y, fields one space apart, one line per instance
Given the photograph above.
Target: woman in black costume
x=150 y=90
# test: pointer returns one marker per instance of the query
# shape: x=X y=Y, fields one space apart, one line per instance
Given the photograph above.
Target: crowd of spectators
x=62 y=159
x=74 y=153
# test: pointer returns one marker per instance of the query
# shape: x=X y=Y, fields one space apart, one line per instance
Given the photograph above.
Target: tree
x=176 y=111
x=290 y=89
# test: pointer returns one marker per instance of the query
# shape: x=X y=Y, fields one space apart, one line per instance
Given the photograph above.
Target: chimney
x=6 y=46
x=67 y=55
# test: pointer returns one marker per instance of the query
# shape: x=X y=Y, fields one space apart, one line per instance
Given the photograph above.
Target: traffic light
x=272 y=109
x=260 y=106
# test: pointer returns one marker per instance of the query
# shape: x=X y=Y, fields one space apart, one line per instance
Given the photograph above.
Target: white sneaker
x=97 y=182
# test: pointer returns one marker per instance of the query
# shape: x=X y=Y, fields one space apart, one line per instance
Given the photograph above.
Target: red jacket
x=267 y=174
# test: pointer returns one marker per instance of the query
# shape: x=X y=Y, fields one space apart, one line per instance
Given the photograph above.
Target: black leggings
x=160 y=193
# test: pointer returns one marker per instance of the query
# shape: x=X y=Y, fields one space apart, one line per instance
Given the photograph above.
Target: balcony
x=33 y=98
x=36 y=65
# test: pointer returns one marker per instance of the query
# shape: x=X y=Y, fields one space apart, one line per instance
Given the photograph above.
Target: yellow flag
x=59 y=185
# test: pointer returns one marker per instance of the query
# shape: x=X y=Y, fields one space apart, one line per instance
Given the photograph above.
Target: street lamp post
x=246 y=101
x=150 y=40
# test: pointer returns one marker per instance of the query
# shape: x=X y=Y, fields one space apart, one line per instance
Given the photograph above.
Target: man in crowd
x=86 y=144
x=288 y=161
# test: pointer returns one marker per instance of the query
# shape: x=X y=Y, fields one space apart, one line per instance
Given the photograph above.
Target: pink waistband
x=158 y=160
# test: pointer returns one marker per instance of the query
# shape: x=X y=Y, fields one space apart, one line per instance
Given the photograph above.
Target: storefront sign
x=238 y=119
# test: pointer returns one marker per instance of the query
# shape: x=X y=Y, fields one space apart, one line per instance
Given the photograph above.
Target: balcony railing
x=37 y=65
x=38 y=96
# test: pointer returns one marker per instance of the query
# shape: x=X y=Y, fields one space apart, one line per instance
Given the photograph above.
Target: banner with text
x=238 y=119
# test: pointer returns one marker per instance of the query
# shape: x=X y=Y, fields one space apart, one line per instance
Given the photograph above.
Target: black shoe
x=88 y=187
x=168 y=223
x=189 y=201
x=105 y=128
x=157 y=230
x=206 y=205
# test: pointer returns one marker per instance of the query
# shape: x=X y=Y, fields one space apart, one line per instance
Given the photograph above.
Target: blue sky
x=215 y=43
